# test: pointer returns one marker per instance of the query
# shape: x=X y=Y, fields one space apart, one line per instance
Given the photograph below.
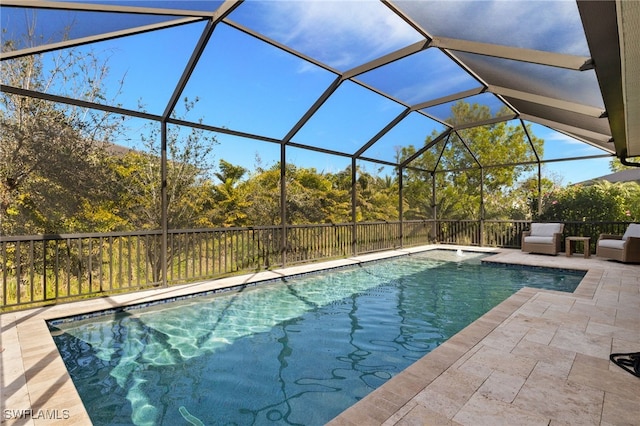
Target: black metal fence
x=44 y=269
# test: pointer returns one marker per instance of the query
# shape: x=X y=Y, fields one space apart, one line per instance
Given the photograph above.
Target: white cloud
x=557 y=137
x=340 y=33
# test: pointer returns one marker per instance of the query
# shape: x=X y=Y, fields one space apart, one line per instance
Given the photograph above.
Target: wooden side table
x=570 y=245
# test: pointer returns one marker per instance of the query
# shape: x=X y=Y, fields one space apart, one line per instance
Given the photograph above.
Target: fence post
x=164 y=209
x=434 y=207
x=354 y=236
x=400 y=210
x=283 y=203
x=481 y=236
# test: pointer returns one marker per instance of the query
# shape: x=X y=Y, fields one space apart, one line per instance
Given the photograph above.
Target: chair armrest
x=633 y=244
x=632 y=250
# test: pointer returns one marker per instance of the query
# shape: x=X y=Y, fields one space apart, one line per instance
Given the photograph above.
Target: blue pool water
x=294 y=352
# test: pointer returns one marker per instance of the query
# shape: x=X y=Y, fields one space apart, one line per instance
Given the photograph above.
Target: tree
x=615 y=165
x=467 y=161
x=524 y=197
x=312 y=197
x=377 y=197
x=189 y=152
x=230 y=197
x=51 y=155
x=263 y=195
x=603 y=201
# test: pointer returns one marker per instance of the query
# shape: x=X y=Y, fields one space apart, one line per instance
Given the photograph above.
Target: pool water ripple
x=296 y=352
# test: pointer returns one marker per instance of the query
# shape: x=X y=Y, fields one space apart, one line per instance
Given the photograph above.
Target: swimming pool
x=293 y=352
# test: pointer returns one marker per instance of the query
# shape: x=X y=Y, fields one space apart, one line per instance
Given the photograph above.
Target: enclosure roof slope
x=627 y=175
x=371 y=67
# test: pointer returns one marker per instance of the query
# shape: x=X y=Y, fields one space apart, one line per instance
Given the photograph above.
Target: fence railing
x=492 y=233
x=45 y=269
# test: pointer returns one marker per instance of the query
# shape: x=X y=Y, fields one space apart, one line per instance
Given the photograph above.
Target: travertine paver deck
x=538 y=358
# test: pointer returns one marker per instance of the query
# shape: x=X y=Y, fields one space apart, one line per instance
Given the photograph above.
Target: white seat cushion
x=614 y=244
x=545 y=229
x=532 y=239
x=632 y=231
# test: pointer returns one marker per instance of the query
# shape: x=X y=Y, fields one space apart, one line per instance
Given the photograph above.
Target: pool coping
x=37 y=386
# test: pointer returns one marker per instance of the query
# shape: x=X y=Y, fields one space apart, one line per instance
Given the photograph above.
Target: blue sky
x=246 y=85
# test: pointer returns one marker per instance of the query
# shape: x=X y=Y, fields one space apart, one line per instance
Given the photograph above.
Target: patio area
x=540 y=357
